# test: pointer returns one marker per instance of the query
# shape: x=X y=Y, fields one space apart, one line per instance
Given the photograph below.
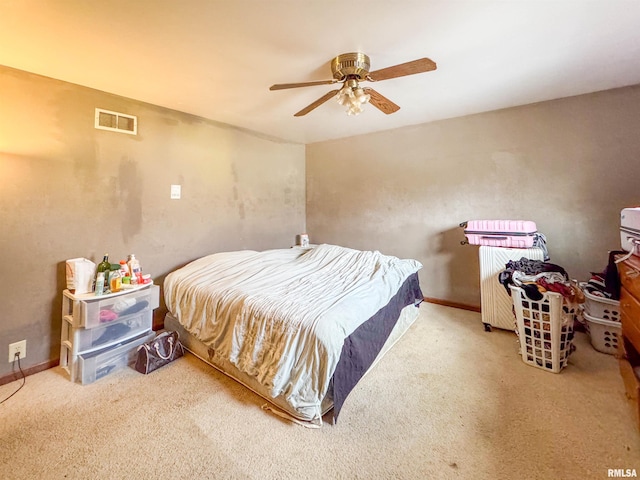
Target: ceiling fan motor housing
x=350 y=65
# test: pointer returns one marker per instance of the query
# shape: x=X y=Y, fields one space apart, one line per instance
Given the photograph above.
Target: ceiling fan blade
x=283 y=86
x=381 y=102
x=410 y=68
x=317 y=103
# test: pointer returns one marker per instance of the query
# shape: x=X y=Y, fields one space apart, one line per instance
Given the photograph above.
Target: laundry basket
x=544 y=328
x=600 y=307
x=604 y=334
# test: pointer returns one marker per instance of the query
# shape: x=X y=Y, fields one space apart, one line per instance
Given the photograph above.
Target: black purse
x=163 y=349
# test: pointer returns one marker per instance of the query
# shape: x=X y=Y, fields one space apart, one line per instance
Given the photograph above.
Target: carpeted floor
x=448 y=401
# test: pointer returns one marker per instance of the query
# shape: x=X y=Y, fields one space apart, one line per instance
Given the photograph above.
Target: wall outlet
x=18 y=347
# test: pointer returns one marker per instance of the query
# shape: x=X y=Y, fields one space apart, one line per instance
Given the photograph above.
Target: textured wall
x=570 y=165
x=68 y=190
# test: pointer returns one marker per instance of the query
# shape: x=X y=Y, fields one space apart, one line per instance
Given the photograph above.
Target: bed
x=298 y=326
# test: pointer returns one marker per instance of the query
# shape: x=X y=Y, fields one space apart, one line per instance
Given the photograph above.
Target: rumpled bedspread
x=282 y=316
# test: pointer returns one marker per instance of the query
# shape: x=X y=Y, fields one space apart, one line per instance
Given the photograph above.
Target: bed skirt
x=408 y=316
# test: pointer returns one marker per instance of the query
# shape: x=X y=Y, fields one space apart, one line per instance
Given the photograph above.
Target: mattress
x=292 y=324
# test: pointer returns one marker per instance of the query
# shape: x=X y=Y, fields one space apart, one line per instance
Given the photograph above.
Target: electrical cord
x=24 y=379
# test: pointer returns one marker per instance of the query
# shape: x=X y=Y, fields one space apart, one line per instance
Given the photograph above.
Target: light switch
x=176 y=191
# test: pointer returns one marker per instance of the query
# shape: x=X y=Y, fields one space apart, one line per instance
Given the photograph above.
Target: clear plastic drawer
x=108 y=334
x=93 y=366
x=96 y=311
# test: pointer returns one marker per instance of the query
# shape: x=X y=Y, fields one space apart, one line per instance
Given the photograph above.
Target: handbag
x=163 y=349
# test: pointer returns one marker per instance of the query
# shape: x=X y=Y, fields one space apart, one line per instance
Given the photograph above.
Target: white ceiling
x=217 y=58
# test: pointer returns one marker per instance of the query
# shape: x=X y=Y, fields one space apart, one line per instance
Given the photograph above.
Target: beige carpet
x=449 y=401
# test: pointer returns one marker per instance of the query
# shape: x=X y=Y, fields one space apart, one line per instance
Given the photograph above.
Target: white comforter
x=282 y=316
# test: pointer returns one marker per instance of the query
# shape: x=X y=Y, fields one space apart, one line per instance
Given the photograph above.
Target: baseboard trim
x=54 y=363
x=41 y=367
x=447 y=303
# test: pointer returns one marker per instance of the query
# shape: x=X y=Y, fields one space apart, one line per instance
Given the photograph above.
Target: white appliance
x=495 y=303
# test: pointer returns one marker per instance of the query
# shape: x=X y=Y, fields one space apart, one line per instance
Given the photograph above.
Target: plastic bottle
x=134 y=269
x=124 y=269
x=100 y=283
x=103 y=267
x=115 y=279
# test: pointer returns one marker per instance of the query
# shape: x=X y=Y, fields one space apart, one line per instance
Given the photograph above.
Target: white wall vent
x=116 y=122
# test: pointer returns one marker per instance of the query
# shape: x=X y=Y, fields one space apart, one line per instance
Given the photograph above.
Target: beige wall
x=68 y=190
x=570 y=165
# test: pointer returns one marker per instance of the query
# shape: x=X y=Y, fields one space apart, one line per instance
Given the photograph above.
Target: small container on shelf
x=115 y=279
x=124 y=269
x=134 y=269
x=99 y=284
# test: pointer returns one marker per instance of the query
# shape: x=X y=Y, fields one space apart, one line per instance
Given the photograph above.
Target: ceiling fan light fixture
x=361 y=96
x=354 y=109
x=352 y=96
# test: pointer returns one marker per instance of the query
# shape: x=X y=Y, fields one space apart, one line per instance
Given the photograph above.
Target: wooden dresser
x=629 y=347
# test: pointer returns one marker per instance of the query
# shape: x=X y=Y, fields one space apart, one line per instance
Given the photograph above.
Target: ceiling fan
x=353 y=68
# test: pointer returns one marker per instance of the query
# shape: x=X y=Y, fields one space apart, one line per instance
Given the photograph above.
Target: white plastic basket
x=604 y=334
x=545 y=329
x=599 y=307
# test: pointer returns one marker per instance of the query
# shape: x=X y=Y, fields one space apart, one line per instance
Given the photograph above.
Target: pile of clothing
x=606 y=284
x=536 y=277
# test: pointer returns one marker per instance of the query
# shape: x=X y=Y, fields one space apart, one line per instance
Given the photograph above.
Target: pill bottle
x=124 y=268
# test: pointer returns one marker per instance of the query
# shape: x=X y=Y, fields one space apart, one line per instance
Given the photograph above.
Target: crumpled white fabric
x=520 y=278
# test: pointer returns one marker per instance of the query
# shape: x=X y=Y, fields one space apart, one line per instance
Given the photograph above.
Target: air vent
x=116 y=122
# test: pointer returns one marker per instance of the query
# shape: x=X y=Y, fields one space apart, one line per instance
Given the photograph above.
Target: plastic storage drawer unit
x=90 y=339
x=93 y=323
x=89 y=311
x=93 y=366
